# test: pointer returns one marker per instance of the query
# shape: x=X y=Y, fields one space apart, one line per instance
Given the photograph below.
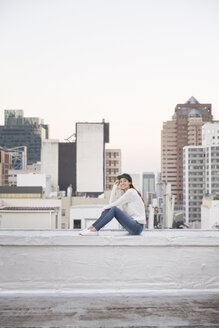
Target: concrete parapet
x=114 y=260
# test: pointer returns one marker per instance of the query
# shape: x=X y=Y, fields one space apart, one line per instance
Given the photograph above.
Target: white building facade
x=210 y=134
x=210 y=213
x=200 y=171
x=34 y=179
x=90 y=157
x=83 y=216
x=49 y=160
x=193 y=181
x=12 y=174
x=39 y=214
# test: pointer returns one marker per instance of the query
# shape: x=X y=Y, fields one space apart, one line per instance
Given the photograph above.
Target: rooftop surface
x=111 y=310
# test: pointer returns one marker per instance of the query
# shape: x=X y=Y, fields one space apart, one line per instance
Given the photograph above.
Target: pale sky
x=127 y=61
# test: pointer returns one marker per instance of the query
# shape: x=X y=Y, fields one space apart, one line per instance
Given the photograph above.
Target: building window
x=77 y=224
x=63 y=212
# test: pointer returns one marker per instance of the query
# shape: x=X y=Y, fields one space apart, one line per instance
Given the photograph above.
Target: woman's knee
x=115 y=209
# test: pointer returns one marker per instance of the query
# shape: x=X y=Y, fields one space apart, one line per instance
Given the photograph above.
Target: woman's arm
x=113 y=193
x=120 y=201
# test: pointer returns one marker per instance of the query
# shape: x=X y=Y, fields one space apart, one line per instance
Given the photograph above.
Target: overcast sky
x=127 y=61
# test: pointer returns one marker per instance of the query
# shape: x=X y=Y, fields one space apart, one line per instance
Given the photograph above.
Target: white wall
x=31 y=179
x=88 y=215
x=210 y=134
x=34 y=179
x=90 y=157
x=62 y=260
x=210 y=214
x=37 y=220
x=28 y=220
x=49 y=160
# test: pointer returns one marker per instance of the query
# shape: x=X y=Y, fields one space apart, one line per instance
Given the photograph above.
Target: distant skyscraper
x=113 y=166
x=23 y=131
x=148 y=186
x=184 y=129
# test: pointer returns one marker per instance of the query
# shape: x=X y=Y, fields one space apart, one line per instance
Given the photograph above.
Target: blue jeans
x=132 y=226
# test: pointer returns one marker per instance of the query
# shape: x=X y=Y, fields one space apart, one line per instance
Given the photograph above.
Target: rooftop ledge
x=167 y=237
x=39 y=260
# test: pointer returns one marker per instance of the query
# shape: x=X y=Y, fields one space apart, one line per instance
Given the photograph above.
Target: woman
x=132 y=217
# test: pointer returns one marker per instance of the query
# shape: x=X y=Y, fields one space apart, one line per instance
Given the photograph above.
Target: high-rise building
x=148 y=186
x=201 y=171
x=20 y=131
x=184 y=129
x=210 y=135
x=193 y=182
x=113 y=166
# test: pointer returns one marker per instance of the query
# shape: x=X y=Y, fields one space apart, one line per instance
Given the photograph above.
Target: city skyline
x=127 y=62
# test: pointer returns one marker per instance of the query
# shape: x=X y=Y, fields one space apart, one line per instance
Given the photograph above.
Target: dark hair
x=131 y=186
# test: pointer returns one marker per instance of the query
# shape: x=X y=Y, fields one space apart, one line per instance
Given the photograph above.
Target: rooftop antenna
x=71 y=136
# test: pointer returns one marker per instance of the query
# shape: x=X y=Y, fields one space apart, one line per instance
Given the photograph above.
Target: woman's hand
x=117 y=183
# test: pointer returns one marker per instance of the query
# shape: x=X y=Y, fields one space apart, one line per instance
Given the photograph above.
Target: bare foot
x=92 y=228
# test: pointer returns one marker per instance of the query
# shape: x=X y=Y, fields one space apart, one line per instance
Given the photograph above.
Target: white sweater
x=130 y=202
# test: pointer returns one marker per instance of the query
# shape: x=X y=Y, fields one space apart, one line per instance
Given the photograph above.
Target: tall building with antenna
x=185 y=129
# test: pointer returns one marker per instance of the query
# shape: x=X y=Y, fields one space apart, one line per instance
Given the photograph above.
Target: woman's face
x=124 y=184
